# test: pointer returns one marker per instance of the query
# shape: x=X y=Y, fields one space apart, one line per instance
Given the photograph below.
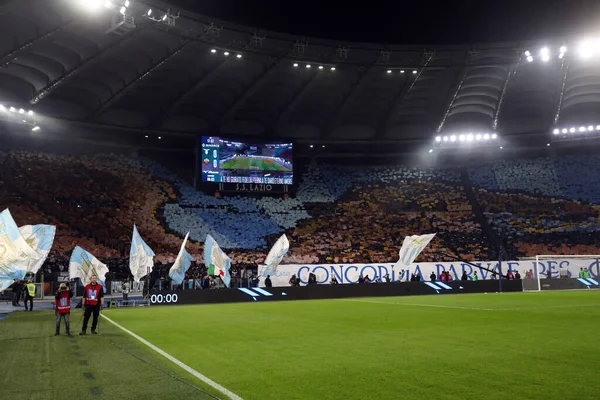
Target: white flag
x=40 y=238
x=83 y=265
x=182 y=263
x=141 y=260
x=412 y=247
x=279 y=249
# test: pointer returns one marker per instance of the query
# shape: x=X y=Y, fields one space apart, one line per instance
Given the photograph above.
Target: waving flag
x=182 y=263
x=140 y=257
x=15 y=253
x=216 y=260
x=83 y=265
x=279 y=249
x=40 y=238
x=412 y=247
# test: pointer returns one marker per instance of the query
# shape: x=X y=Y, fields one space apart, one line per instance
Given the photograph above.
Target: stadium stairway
x=479 y=216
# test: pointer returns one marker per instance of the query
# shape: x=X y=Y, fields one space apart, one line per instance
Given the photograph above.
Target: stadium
x=274 y=216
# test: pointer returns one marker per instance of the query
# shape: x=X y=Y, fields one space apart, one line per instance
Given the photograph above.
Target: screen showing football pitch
x=229 y=161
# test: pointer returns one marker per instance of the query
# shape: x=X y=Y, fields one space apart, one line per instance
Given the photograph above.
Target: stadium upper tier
x=192 y=74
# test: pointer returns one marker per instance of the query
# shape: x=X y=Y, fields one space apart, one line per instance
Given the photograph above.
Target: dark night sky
x=410 y=22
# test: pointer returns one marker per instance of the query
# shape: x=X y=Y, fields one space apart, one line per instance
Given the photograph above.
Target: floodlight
x=2 y=108
x=461 y=138
x=164 y=18
x=333 y=68
x=556 y=131
x=108 y=4
x=431 y=150
x=453 y=138
x=126 y=3
x=563 y=49
x=320 y=67
x=478 y=136
x=295 y=64
x=160 y=137
x=401 y=71
x=307 y=65
x=548 y=144
x=149 y=12
x=597 y=126
x=414 y=71
x=529 y=59
x=561 y=55
x=445 y=138
x=438 y=139
x=501 y=147
x=582 y=129
x=565 y=130
x=146 y=136
x=486 y=136
x=311 y=146
x=213 y=50
x=12 y=109
x=590 y=128
x=494 y=136
x=123 y=10
x=470 y=137
x=586 y=49
x=35 y=128
x=21 y=111
x=572 y=130
x=226 y=53
x=389 y=71
x=239 y=56
x=30 y=113
x=323 y=146
x=527 y=53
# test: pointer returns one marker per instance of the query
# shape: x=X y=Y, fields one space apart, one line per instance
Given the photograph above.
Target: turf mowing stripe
x=421 y=305
x=189 y=369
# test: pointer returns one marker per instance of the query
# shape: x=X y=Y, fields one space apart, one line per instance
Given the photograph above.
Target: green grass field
x=254 y=164
x=495 y=346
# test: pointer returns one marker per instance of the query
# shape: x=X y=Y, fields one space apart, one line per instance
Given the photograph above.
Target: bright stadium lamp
x=320 y=67
x=590 y=128
x=431 y=150
x=529 y=59
x=12 y=109
x=527 y=54
x=556 y=131
x=21 y=111
x=572 y=130
x=2 y=108
x=30 y=113
x=470 y=137
x=586 y=49
x=146 y=136
x=494 y=136
x=445 y=138
x=486 y=136
x=149 y=12
x=239 y=56
x=548 y=144
x=565 y=130
x=453 y=138
x=311 y=146
x=307 y=65
x=164 y=18
x=597 y=126
x=226 y=53
x=582 y=129
x=545 y=54
x=126 y=3
x=389 y=71
x=295 y=64
x=414 y=71
x=213 y=50
x=462 y=138
x=123 y=10
x=438 y=139
x=563 y=49
x=160 y=137
x=108 y=4
x=401 y=71
x=478 y=136
x=333 y=68
x=35 y=128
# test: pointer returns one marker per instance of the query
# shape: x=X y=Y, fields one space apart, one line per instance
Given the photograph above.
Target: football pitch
x=495 y=346
x=249 y=163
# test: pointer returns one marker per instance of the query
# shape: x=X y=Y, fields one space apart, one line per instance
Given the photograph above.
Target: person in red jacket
x=63 y=307
x=510 y=275
x=93 y=296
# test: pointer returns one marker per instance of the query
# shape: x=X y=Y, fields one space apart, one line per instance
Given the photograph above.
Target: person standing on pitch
x=63 y=307
x=93 y=296
x=29 y=295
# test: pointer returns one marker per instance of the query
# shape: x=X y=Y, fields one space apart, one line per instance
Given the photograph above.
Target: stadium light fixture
x=582 y=129
x=453 y=138
x=146 y=136
x=295 y=64
x=307 y=65
x=572 y=130
x=213 y=50
x=323 y=146
x=586 y=49
x=545 y=54
x=320 y=67
x=590 y=128
x=478 y=136
x=12 y=109
x=311 y=146
x=239 y=56
x=598 y=127
x=461 y=138
x=2 y=108
x=126 y=3
x=486 y=136
x=556 y=131
x=21 y=111
x=527 y=53
x=160 y=137
x=389 y=71
x=548 y=144
x=108 y=4
x=164 y=18
x=529 y=59
x=563 y=49
x=149 y=13
x=226 y=53
x=30 y=113
x=565 y=130
x=431 y=150
x=333 y=68
x=438 y=139
x=123 y=10
x=445 y=138
x=501 y=147
x=414 y=71
x=35 y=128
x=494 y=136
x=401 y=71
x=470 y=137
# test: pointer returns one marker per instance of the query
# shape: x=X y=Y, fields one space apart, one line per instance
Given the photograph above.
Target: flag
x=412 y=247
x=279 y=249
x=15 y=253
x=182 y=263
x=216 y=260
x=40 y=238
x=83 y=265
x=140 y=256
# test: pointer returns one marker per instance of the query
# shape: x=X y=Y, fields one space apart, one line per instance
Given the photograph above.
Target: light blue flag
x=40 y=238
x=182 y=263
x=141 y=260
x=15 y=253
x=217 y=262
x=83 y=265
x=279 y=249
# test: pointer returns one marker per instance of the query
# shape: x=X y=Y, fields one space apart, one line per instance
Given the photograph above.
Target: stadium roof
x=184 y=73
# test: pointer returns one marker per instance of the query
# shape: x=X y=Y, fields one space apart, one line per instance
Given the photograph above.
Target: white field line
x=189 y=369
x=472 y=308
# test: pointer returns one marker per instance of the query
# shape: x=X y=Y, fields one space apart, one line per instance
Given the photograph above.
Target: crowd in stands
x=339 y=215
